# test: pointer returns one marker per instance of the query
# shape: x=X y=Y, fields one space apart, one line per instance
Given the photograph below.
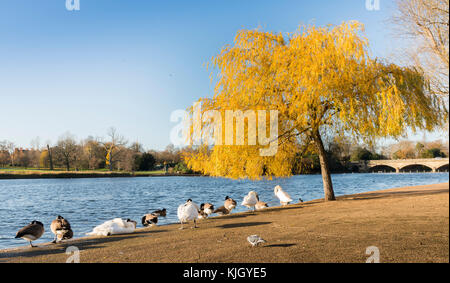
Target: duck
x=31 y=232
x=284 y=197
x=114 y=227
x=229 y=203
x=61 y=228
x=250 y=200
x=205 y=210
x=160 y=212
x=188 y=211
x=149 y=219
x=261 y=205
x=222 y=210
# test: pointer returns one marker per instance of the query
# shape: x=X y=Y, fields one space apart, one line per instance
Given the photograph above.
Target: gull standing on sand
x=255 y=240
x=284 y=197
x=61 y=228
x=114 y=227
x=31 y=232
x=250 y=200
x=188 y=211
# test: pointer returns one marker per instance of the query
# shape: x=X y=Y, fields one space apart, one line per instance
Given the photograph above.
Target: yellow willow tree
x=319 y=79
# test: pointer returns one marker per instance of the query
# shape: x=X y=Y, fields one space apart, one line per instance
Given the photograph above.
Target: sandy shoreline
x=409 y=224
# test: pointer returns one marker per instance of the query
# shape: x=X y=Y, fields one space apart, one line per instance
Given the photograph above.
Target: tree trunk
x=326 y=176
x=110 y=164
x=50 y=157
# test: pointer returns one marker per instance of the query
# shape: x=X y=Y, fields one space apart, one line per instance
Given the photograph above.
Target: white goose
x=188 y=211
x=250 y=200
x=284 y=197
x=113 y=227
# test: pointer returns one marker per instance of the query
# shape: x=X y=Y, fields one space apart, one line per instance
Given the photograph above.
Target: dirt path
x=409 y=224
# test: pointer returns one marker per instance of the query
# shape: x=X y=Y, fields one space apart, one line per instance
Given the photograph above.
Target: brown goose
x=61 y=228
x=229 y=203
x=31 y=232
x=205 y=210
x=222 y=210
x=149 y=219
x=160 y=212
x=261 y=205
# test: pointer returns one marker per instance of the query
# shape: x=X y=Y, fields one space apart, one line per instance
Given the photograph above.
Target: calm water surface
x=87 y=203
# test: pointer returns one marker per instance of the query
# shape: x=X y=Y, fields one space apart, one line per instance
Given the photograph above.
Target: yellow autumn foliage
x=319 y=79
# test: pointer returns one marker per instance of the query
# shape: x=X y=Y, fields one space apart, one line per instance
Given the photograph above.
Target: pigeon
x=254 y=240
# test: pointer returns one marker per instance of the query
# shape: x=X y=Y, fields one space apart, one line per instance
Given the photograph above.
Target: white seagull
x=250 y=200
x=284 y=197
x=254 y=240
x=188 y=211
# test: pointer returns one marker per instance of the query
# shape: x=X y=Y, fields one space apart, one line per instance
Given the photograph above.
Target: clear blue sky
x=129 y=64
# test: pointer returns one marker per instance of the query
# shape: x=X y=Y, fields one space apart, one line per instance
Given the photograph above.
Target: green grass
x=60 y=171
x=156 y=172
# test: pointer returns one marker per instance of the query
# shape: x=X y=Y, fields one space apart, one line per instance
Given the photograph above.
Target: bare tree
x=5 y=152
x=92 y=153
x=50 y=156
x=36 y=143
x=10 y=147
x=66 y=150
x=113 y=147
x=426 y=24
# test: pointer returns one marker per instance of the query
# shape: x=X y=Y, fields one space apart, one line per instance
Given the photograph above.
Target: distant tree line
x=116 y=154
x=112 y=153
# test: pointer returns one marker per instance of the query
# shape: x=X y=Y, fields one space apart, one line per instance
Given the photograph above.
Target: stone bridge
x=435 y=164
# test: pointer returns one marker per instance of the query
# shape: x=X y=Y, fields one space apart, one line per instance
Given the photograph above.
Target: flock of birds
x=186 y=212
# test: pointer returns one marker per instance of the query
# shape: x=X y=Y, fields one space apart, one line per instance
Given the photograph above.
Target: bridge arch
x=443 y=168
x=415 y=168
x=381 y=168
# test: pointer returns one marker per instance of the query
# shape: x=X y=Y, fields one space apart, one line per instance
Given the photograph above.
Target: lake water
x=87 y=203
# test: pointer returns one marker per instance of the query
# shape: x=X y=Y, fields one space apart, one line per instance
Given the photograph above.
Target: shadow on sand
x=280 y=245
x=244 y=224
x=82 y=244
